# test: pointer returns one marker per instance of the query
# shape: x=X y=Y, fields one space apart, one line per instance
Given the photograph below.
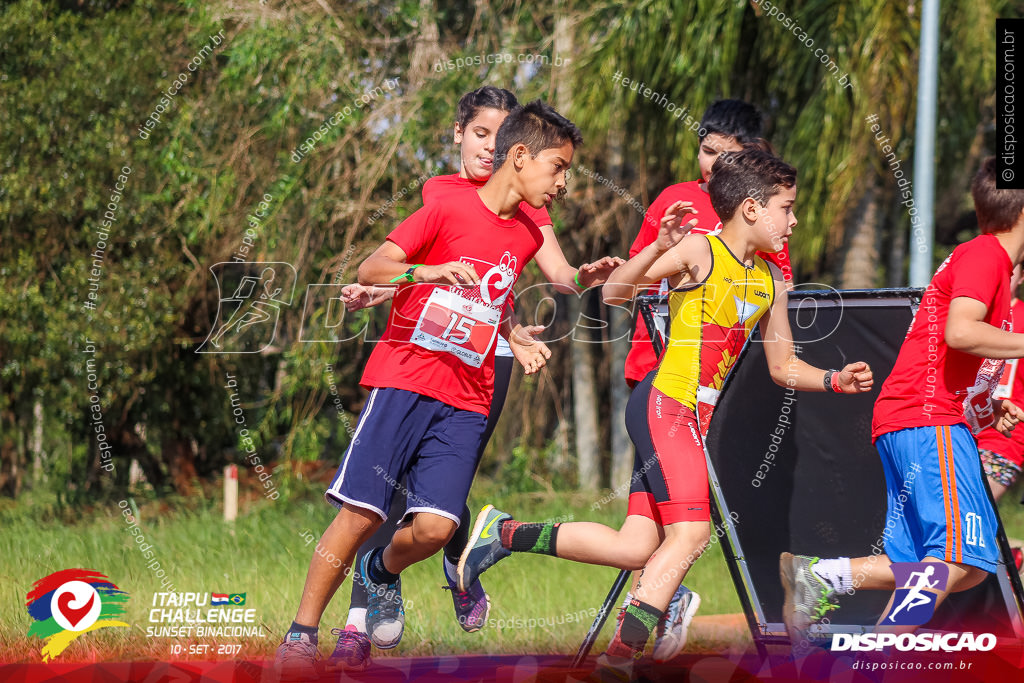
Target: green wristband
x=407 y=275
x=576 y=279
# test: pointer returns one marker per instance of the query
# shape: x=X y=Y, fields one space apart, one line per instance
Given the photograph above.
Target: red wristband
x=835 y=382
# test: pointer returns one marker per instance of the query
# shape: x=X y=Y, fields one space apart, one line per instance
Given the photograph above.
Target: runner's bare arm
x=356 y=296
x=785 y=366
x=667 y=256
x=388 y=264
x=967 y=331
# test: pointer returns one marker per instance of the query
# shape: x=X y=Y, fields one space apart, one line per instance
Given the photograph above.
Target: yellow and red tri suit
x=709 y=323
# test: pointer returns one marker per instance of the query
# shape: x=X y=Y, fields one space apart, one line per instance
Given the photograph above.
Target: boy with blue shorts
x=938 y=508
x=431 y=376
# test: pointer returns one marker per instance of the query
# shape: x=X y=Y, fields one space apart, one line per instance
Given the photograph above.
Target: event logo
x=68 y=603
x=917 y=587
x=247 y=319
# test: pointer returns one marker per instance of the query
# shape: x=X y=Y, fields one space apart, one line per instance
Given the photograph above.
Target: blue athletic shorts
x=433 y=445
x=938 y=505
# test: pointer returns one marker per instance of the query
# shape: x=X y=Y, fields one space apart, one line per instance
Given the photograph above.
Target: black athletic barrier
x=820 y=490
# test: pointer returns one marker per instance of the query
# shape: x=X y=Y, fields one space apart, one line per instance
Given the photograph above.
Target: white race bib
x=454 y=324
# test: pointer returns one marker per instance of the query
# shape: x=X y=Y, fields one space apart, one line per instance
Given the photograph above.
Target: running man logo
x=917 y=586
x=247 y=320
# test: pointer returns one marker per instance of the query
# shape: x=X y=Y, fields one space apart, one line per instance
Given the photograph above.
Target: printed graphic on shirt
x=463 y=321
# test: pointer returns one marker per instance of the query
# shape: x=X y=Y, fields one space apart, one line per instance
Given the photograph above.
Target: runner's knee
x=432 y=530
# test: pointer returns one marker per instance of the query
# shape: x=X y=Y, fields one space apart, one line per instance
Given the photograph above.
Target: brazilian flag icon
x=237 y=598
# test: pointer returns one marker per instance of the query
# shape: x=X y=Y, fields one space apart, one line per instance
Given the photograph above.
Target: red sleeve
x=781 y=259
x=539 y=216
x=430 y=188
x=974 y=275
x=649 y=228
x=416 y=233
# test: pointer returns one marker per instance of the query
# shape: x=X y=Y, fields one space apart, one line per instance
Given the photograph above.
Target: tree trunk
x=622 y=447
x=180 y=459
x=860 y=258
x=584 y=390
x=584 y=403
x=897 y=275
x=427 y=51
x=36 y=445
x=619 y=334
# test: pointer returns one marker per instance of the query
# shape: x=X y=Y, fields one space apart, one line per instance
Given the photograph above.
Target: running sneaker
x=612 y=669
x=385 y=616
x=352 y=652
x=670 y=635
x=808 y=598
x=615 y=664
x=483 y=548
x=472 y=606
x=296 y=658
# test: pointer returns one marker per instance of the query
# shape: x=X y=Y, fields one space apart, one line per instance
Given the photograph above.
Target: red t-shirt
x=439 y=340
x=1010 y=387
x=928 y=384
x=442 y=185
x=641 y=358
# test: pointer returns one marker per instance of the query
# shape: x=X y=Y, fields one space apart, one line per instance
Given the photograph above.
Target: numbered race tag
x=457 y=325
x=978 y=411
x=1006 y=382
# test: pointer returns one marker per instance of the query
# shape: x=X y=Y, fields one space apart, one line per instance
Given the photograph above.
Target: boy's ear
x=458 y=133
x=517 y=155
x=750 y=209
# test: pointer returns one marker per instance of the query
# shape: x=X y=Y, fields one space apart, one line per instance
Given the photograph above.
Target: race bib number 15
x=454 y=324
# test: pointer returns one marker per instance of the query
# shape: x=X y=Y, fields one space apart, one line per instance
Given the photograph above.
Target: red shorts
x=670 y=472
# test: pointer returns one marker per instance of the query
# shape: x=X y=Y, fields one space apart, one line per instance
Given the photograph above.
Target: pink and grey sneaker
x=472 y=606
x=352 y=652
x=297 y=658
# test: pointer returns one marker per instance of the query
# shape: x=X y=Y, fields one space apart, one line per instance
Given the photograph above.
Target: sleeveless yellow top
x=709 y=323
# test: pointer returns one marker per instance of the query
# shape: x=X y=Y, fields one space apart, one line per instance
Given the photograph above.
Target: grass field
x=265 y=555
x=539 y=604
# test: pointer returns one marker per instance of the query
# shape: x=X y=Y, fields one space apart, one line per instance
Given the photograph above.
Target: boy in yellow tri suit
x=720 y=290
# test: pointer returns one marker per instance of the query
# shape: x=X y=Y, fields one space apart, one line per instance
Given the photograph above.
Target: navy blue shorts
x=401 y=434
x=938 y=503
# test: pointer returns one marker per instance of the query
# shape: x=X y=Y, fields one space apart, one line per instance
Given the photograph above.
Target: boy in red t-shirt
x=1002 y=456
x=727 y=126
x=431 y=376
x=938 y=509
x=479 y=115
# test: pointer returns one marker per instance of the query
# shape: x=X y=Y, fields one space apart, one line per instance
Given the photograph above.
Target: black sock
x=638 y=622
x=359 y=597
x=529 y=538
x=378 y=573
x=311 y=631
x=453 y=550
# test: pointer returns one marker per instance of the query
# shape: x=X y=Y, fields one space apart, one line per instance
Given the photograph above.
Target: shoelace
x=391 y=607
x=349 y=638
x=824 y=605
x=464 y=598
x=298 y=649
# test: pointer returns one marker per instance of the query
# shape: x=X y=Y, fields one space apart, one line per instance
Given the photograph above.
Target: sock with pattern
x=638 y=622
x=529 y=538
